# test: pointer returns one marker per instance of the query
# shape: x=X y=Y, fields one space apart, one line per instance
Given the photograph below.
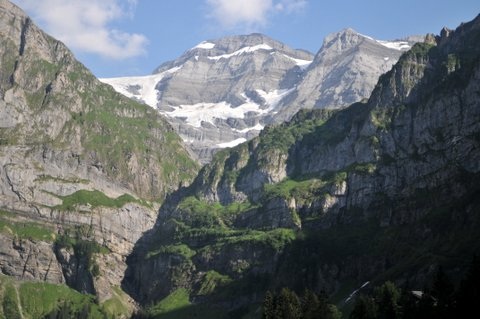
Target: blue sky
x=133 y=37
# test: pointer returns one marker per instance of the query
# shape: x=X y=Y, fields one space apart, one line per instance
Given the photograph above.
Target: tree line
x=286 y=304
x=440 y=300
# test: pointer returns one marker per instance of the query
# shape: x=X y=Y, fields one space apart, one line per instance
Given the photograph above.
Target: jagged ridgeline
x=381 y=190
x=82 y=172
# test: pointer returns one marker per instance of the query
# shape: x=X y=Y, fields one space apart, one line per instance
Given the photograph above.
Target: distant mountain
x=223 y=92
x=218 y=93
x=345 y=70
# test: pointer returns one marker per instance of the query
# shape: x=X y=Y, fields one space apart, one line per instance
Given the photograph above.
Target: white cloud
x=248 y=14
x=84 y=25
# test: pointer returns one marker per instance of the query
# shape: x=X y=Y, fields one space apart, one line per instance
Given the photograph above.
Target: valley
x=242 y=177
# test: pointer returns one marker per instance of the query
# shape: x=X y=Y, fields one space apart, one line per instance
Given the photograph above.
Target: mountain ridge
x=246 y=82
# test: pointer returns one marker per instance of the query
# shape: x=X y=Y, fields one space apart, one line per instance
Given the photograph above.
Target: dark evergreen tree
x=469 y=292
x=287 y=305
x=408 y=304
x=268 y=306
x=443 y=294
x=387 y=297
x=364 y=308
x=310 y=305
x=325 y=309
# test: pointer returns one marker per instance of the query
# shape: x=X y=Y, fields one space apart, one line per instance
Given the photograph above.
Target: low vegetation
x=94 y=199
x=21 y=300
x=25 y=230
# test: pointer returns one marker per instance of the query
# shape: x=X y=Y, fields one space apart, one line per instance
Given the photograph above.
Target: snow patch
x=144 y=86
x=207 y=112
x=303 y=64
x=274 y=97
x=232 y=143
x=242 y=51
x=204 y=45
x=195 y=114
x=257 y=127
x=396 y=45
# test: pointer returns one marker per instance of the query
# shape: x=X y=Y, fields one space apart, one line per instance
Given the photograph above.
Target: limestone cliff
x=79 y=163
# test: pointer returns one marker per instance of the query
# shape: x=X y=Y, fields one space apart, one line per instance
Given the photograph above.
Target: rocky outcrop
x=29 y=259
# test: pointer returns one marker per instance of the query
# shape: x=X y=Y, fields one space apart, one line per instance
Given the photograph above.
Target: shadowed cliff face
x=333 y=197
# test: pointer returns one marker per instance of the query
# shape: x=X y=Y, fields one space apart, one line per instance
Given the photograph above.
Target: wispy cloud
x=85 y=25
x=250 y=14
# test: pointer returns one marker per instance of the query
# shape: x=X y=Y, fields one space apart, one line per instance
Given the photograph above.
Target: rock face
x=223 y=92
x=373 y=187
x=74 y=156
x=344 y=71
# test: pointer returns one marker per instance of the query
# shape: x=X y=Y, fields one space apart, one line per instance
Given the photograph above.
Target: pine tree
x=387 y=297
x=365 y=308
x=442 y=292
x=469 y=291
x=287 y=305
x=325 y=309
x=268 y=306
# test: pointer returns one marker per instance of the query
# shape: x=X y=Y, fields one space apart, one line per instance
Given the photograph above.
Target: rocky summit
x=223 y=92
x=104 y=213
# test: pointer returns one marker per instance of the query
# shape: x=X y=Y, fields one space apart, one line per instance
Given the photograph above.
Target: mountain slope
x=223 y=92
x=82 y=168
x=384 y=189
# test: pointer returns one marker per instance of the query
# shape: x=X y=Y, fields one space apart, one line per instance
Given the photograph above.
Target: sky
x=132 y=37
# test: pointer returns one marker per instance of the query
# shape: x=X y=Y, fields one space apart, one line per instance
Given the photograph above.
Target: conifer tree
x=365 y=308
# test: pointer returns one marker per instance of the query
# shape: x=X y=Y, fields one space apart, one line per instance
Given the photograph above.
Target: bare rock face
x=81 y=166
x=345 y=70
x=223 y=92
x=29 y=259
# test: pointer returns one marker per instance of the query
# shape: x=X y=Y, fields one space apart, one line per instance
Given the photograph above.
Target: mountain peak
x=348 y=37
x=230 y=44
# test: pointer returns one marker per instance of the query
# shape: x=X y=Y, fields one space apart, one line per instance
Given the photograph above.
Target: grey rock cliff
x=345 y=70
x=70 y=148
